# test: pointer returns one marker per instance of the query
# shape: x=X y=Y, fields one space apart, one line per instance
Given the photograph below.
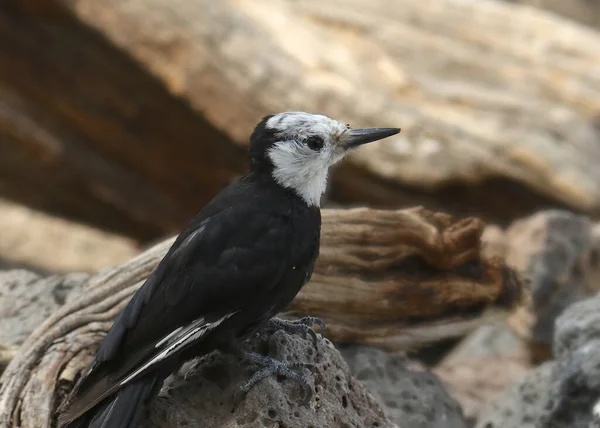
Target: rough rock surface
x=26 y=300
x=201 y=393
x=523 y=404
x=578 y=326
x=408 y=397
x=561 y=393
x=411 y=397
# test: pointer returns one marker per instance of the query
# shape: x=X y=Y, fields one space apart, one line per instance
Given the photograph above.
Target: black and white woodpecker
x=242 y=260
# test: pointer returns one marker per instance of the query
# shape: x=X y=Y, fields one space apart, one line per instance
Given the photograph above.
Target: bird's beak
x=357 y=137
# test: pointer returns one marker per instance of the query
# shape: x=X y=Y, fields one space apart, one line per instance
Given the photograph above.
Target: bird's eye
x=315 y=142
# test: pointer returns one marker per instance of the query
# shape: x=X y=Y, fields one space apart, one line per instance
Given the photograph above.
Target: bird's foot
x=269 y=366
x=302 y=326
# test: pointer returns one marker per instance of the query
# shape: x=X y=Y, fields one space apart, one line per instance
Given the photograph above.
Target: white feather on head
x=295 y=164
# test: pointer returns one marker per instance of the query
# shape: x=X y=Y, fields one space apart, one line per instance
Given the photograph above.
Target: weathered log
x=392 y=278
x=94 y=137
x=401 y=279
x=496 y=102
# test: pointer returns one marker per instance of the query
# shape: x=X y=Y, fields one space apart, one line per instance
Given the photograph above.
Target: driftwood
x=391 y=278
x=104 y=149
x=137 y=128
x=400 y=279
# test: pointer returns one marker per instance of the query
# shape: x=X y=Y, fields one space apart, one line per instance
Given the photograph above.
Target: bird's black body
x=242 y=253
x=238 y=263
x=249 y=251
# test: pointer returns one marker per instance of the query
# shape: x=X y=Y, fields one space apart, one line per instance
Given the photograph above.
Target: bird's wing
x=216 y=267
x=213 y=269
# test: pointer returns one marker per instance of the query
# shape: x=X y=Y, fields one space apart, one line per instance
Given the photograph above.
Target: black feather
x=248 y=252
x=261 y=139
x=125 y=409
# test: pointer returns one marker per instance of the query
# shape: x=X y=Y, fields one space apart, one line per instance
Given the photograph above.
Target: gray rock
x=576 y=327
x=555 y=250
x=578 y=388
x=561 y=393
x=200 y=395
x=411 y=398
x=27 y=299
x=523 y=404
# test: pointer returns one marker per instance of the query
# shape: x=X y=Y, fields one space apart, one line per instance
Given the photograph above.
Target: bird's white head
x=298 y=149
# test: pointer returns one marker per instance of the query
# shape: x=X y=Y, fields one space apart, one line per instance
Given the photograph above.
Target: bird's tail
x=124 y=409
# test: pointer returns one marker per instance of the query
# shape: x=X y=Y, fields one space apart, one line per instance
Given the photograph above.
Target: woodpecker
x=238 y=263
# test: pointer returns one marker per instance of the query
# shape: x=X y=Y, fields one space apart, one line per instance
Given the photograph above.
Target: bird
x=232 y=269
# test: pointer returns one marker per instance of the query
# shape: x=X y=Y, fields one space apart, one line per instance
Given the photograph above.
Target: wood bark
x=396 y=279
x=144 y=108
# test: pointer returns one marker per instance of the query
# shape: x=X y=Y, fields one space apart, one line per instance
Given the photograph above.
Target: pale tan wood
x=482 y=89
x=87 y=134
x=151 y=102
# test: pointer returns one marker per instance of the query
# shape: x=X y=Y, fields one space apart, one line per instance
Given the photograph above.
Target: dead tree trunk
x=391 y=278
x=143 y=108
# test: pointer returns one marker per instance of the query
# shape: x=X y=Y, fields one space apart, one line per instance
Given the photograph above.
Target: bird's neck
x=309 y=189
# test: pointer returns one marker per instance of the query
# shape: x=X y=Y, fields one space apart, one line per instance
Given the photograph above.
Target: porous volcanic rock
x=563 y=393
x=411 y=396
x=201 y=394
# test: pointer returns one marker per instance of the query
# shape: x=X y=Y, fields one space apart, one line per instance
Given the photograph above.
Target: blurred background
x=120 y=119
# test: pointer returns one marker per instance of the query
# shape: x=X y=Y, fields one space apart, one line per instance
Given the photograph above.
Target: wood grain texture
x=510 y=95
x=397 y=279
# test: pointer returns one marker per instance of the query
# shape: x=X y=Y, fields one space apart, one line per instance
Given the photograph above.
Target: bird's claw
x=303 y=325
x=270 y=366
